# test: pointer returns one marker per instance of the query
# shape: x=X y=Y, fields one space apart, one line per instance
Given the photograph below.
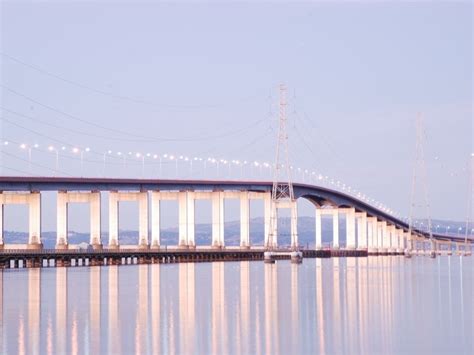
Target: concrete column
x=335 y=228
x=143 y=219
x=217 y=219
x=385 y=237
x=362 y=231
x=267 y=216
x=191 y=221
x=318 y=226
x=113 y=219
x=379 y=237
x=182 y=220
x=272 y=239
x=372 y=235
x=391 y=248
x=95 y=215
x=399 y=240
x=294 y=225
x=155 y=219
x=350 y=229
x=1 y=221
x=359 y=227
x=61 y=227
x=404 y=241
x=244 y=219
x=34 y=203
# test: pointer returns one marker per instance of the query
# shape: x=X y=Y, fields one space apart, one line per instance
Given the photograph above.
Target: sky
x=201 y=79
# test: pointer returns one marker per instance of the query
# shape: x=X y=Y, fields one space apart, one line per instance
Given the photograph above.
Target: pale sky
x=201 y=80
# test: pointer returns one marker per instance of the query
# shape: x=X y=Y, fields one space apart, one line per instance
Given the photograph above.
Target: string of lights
x=218 y=167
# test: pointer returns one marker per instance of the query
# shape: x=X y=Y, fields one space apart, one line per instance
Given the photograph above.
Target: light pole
x=138 y=156
x=104 y=156
x=53 y=149
x=81 y=153
x=28 y=150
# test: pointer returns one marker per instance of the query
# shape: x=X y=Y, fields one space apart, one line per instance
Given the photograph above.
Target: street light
x=81 y=153
x=53 y=149
x=28 y=149
x=138 y=156
x=108 y=152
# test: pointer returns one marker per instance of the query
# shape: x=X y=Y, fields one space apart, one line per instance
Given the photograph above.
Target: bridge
x=369 y=230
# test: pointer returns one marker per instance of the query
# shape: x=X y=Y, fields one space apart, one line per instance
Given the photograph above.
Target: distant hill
x=306 y=233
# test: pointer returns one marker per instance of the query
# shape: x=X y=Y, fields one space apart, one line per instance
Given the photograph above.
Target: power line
x=229 y=133
x=125 y=133
x=115 y=96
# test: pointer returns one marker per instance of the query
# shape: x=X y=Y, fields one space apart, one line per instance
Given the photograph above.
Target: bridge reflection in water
x=353 y=305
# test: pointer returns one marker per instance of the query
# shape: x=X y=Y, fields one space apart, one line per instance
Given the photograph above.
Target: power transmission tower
x=470 y=174
x=420 y=173
x=282 y=189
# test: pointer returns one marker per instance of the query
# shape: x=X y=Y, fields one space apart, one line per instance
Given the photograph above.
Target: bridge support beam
x=113 y=220
x=372 y=235
x=61 y=220
x=155 y=219
x=33 y=200
x=400 y=247
x=362 y=230
x=186 y=202
x=244 y=220
x=270 y=213
x=114 y=200
x=294 y=225
x=404 y=241
x=385 y=238
x=350 y=228
x=335 y=228
x=380 y=235
x=392 y=239
x=217 y=219
x=318 y=227
x=63 y=200
x=95 y=215
x=1 y=222
x=143 y=219
x=34 y=238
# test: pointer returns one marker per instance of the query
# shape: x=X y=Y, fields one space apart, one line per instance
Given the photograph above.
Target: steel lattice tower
x=470 y=174
x=420 y=173
x=282 y=189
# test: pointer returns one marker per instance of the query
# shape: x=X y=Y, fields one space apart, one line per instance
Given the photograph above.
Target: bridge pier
x=64 y=198
x=318 y=228
x=362 y=242
x=372 y=235
x=186 y=203
x=244 y=220
x=114 y=199
x=217 y=199
x=33 y=200
x=335 y=228
x=382 y=238
x=155 y=219
x=350 y=227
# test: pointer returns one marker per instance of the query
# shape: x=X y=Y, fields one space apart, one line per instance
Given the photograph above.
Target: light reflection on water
x=383 y=305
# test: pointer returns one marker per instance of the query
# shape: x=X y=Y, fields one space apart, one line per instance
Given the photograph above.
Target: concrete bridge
x=368 y=229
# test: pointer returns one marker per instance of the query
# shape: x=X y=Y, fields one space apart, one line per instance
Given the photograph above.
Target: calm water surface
x=379 y=305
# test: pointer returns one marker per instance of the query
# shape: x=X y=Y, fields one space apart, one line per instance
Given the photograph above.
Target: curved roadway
x=316 y=194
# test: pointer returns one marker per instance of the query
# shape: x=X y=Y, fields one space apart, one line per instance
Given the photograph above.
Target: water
x=378 y=305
